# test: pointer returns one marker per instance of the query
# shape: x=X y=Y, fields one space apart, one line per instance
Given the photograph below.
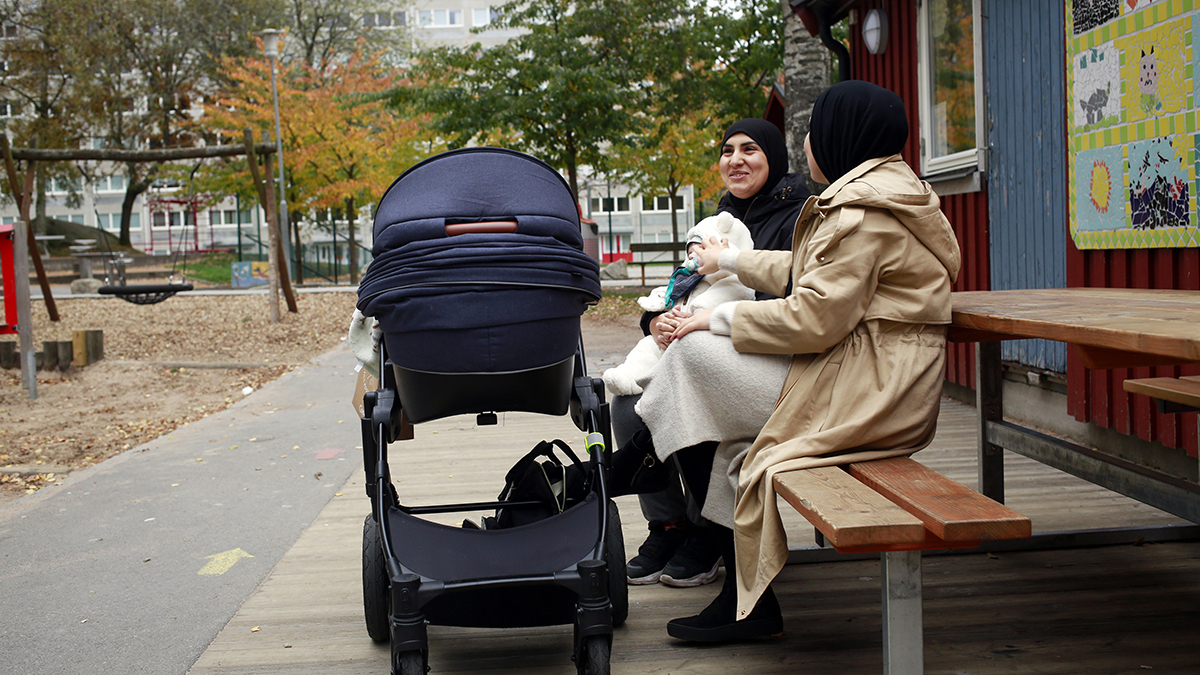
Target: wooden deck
x=1113 y=609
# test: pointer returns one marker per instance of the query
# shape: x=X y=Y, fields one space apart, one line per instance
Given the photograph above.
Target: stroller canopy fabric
x=479 y=302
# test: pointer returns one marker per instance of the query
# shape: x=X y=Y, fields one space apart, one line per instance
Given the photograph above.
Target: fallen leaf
x=318 y=475
x=256 y=629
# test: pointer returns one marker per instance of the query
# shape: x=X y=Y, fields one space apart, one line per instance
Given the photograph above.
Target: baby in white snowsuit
x=713 y=289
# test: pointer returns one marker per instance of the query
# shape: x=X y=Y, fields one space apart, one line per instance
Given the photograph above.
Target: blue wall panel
x=1023 y=61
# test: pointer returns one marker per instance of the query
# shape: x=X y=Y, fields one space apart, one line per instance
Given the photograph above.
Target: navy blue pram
x=478 y=283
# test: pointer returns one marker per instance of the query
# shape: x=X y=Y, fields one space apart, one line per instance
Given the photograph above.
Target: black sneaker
x=695 y=563
x=654 y=554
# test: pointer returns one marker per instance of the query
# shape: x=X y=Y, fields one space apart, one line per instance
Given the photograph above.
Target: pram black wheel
x=376 y=595
x=595 y=656
x=411 y=663
x=614 y=558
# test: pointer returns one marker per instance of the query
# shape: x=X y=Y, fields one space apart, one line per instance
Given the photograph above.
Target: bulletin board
x=1132 y=131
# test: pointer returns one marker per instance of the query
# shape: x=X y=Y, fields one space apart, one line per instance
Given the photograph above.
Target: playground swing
x=138 y=294
x=141 y=294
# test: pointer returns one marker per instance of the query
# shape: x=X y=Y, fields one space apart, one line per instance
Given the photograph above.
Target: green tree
x=36 y=85
x=560 y=90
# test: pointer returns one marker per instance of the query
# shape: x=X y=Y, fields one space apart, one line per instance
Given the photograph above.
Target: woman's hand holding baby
x=665 y=325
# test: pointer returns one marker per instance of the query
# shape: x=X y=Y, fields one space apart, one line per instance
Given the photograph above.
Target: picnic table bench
x=1172 y=394
x=897 y=507
x=667 y=247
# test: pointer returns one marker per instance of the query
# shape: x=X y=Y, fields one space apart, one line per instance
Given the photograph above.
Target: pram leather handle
x=488 y=227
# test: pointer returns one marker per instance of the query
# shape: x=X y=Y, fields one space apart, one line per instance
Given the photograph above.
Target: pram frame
x=588 y=579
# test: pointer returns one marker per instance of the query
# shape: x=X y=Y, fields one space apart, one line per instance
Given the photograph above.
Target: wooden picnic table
x=1108 y=328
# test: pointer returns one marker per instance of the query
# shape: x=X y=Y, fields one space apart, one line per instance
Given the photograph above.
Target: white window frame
x=616 y=204
x=966 y=160
x=428 y=18
x=682 y=206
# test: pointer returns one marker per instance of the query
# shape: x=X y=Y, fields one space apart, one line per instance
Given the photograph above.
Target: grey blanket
x=704 y=390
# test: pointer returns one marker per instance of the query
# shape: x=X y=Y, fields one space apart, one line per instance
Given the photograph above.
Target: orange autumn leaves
x=341 y=139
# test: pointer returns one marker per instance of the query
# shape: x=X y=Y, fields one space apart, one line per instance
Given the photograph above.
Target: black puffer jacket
x=772 y=220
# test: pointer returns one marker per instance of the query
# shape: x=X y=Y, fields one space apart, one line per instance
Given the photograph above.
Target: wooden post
x=272 y=230
x=66 y=353
x=88 y=346
x=23 y=197
x=8 y=354
x=49 y=355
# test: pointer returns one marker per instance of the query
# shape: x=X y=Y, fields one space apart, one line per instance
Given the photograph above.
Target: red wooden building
x=990 y=120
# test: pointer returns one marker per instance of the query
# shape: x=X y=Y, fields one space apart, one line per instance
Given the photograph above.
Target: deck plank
x=1111 y=609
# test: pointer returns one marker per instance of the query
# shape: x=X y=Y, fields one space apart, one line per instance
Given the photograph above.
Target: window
x=661 y=203
x=109 y=221
x=607 y=204
x=440 y=18
x=9 y=109
x=383 y=19
x=227 y=217
x=949 y=34
x=8 y=31
x=110 y=183
x=62 y=186
x=483 y=17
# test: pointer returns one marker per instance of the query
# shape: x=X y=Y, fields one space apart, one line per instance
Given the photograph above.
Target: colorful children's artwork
x=245 y=274
x=1158 y=183
x=1100 y=204
x=1132 y=129
x=1098 y=87
x=1089 y=14
x=1155 y=64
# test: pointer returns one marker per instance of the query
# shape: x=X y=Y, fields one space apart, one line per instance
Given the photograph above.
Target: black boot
x=718 y=622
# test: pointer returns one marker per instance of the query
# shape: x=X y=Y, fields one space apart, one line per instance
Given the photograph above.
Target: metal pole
x=611 y=206
x=285 y=230
x=237 y=201
x=24 y=312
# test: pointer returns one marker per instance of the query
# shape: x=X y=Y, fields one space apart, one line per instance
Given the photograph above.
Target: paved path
x=134 y=565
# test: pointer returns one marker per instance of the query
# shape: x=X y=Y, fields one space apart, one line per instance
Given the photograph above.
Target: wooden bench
x=898 y=508
x=1172 y=395
x=668 y=247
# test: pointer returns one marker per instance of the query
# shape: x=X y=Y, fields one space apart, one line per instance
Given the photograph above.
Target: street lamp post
x=270 y=39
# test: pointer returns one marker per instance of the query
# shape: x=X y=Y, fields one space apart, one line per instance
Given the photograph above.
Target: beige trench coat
x=871 y=267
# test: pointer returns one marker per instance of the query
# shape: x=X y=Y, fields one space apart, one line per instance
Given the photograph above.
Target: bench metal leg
x=903 y=631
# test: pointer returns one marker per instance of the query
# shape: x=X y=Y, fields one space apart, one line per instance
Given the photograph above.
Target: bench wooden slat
x=950 y=510
x=846 y=511
x=1185 y=390
x=657 y=247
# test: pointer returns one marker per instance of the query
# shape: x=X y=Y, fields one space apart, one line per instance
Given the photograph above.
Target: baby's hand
x=697 y=321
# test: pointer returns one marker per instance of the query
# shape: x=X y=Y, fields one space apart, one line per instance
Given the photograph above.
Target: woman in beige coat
x=852 y=359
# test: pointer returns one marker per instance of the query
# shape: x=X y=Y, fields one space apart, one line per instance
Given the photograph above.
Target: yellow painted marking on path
x=221 y=562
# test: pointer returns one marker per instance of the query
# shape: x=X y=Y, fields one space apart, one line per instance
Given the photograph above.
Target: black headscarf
x=852 y=122
x=773 y=146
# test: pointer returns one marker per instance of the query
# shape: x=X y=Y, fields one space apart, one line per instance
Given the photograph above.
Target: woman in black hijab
x=768 y=199
x=770 y=212
x=860 y=343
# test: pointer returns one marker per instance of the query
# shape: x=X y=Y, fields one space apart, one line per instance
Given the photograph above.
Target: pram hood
x=488 y=293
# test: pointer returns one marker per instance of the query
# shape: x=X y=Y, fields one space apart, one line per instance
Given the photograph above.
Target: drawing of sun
x=1101 y=186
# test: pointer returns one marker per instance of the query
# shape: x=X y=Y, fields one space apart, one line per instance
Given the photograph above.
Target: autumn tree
x=350 y=145
x=36 y=84
x=343 y=143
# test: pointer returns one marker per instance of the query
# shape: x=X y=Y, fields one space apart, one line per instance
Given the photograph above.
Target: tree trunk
x=134 y=189
x=806 y=74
